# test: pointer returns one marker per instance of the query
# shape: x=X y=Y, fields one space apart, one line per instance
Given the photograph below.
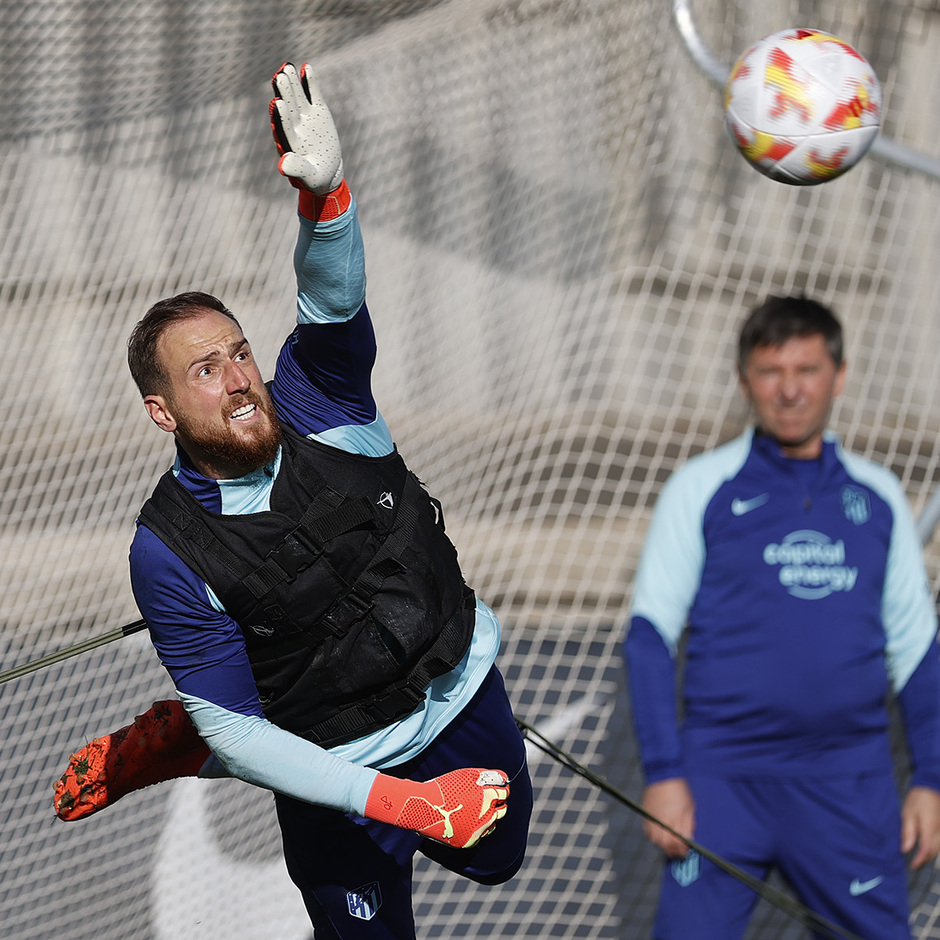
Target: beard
x=237 y=452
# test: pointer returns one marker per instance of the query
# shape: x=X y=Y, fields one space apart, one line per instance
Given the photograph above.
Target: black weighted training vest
x=347 y=591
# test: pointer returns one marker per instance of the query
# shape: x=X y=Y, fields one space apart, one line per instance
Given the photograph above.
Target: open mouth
x=243 y=413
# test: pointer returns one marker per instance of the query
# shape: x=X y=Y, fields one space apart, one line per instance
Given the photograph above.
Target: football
x=802 y=106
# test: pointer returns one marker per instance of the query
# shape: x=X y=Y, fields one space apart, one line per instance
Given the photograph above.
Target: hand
x=458 y=808
x=920 y=825
x=304 y=131
x=670 y=801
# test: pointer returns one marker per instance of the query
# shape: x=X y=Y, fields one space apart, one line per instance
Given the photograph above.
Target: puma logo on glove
x=458 y=808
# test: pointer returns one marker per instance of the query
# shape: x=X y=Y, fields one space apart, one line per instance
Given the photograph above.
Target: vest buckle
x=293 y=555
x=398 y=702
x=346 y=612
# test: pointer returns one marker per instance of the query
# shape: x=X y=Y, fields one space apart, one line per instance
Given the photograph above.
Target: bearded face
x=228 y=443
x=215 y=402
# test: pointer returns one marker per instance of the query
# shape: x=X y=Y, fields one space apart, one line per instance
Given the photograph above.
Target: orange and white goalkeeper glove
x=308 y=143
x=304 y=131
x=458 y=808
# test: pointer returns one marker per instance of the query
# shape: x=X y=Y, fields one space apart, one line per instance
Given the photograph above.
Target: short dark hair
x=778 y=319
x=142 y=356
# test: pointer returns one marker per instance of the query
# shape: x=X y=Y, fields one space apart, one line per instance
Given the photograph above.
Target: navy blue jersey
x=804 y=590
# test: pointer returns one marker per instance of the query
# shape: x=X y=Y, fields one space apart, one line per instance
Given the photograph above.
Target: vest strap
x=401 y=699
x=356 y=603
x=303 y=545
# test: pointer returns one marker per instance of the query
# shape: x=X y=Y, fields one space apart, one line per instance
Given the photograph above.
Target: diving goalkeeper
x=301 y=591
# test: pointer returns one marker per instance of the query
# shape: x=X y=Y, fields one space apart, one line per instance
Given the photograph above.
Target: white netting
x=561 y=242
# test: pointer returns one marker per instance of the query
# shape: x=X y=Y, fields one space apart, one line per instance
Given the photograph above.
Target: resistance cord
x=59 y=655
x=788 y=905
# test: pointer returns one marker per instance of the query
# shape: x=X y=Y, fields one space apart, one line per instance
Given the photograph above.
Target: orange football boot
x=160 y=745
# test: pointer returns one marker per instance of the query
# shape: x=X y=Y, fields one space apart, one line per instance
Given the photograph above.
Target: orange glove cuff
x=323 y=208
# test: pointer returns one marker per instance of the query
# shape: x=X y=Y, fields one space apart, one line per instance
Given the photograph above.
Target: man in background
x=797 y=571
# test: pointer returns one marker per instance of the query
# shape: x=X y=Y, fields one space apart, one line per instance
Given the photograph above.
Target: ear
x=159 y=412
x=840 y=380
x=743 y=385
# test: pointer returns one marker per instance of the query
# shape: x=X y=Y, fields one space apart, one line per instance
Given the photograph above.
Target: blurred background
x=561 y=243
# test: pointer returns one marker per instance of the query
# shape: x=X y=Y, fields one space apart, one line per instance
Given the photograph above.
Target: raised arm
x=322 y=385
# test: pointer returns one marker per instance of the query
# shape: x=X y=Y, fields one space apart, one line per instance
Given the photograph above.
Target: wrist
x=322 y=208
x=388 y=796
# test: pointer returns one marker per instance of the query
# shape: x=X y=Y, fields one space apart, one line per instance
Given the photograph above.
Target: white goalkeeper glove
x=304 y=131
x=458 y=808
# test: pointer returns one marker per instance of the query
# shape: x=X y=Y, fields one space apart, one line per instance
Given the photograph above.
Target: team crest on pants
x=364 y=902
x=686 y=870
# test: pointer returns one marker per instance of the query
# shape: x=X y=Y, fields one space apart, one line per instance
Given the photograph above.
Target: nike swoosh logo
x=861 y=887
x=741 y=506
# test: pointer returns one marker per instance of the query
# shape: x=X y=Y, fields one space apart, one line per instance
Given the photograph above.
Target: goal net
x=561 y=243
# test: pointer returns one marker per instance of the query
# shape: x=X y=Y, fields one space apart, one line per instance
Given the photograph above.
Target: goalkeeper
x=302 y=593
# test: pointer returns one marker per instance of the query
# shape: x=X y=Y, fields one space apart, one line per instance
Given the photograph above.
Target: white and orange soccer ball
x=802 y=106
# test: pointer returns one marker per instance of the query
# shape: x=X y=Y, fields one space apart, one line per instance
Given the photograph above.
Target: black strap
x=182 y=523
x=402 y=698
x=356 y=602
x=328 y=515
x=324 y=519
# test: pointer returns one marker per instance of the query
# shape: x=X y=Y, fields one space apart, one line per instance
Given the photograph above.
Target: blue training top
x=322 y=388
x=806 y=597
